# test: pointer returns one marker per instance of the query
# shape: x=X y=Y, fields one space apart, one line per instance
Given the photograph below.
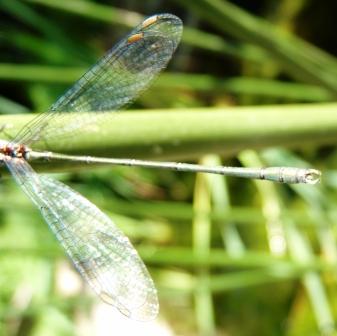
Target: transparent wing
x=116 y=80
x=99 y=250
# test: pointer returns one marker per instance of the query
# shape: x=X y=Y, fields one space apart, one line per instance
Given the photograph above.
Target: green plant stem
x=189 y=133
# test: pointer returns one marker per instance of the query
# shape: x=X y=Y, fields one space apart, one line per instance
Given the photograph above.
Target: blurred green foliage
x=228 y=256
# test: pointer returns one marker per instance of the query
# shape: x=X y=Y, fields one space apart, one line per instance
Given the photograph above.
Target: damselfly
x=99 y=250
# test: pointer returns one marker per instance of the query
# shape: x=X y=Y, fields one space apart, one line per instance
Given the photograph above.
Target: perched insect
x=99 y=250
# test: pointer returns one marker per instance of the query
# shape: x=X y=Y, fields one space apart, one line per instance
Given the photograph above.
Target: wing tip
x=146 y=312
x=163 y=18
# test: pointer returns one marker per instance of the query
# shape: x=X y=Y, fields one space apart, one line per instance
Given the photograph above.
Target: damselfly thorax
x=14 y=150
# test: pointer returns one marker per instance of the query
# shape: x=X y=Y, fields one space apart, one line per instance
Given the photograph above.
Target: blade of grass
x=92 y=10
x=300 y=250
x=201 y=231
x=320 y=205
x=175 y=211
x=178 y=81
x=129 y=19
x=8 y=106
x=45 y=50
x=185 y=257
x=220 y=200
x=299 y=58
x=27 y=15
x=270 y=207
